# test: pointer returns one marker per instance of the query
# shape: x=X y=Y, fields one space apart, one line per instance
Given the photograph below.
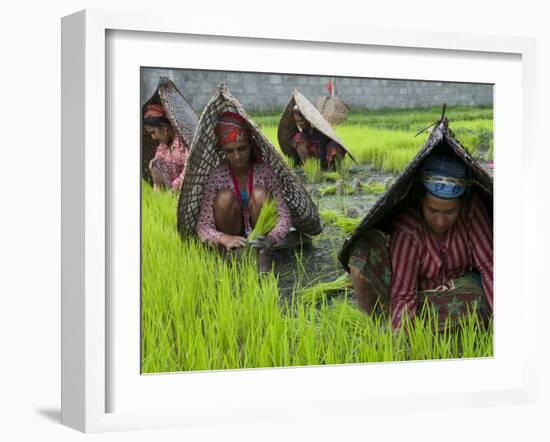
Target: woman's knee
x=259 y=195
x=227 y=213
x=225 y=200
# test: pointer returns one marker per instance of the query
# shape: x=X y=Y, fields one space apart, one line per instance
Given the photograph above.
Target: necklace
x=236 y=184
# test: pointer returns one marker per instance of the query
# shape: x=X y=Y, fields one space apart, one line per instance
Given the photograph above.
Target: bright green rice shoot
x=331 y=176
x=319 y=292
x=374 y=187
x=332 y=189
x=312 y=169
x=347 y=224
x=267 y=219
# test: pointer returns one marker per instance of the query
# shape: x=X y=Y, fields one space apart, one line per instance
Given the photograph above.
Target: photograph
x=303 y=220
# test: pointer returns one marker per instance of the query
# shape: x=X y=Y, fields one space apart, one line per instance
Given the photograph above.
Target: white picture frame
x=87 y=232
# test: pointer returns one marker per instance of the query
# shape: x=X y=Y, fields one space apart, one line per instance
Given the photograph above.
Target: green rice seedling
x=319 y=292
x=372 y=145
x=415 y=119
x=347 y=224
x=345 y=167
x=474 y=125
x=331 y=176
x=267 y=219
x=328 y=190
x=301 y=272
x=397 y=160
x=266 y=119
x=343 y=189
x=328 y=216
x=374 y=187
x=474 y=339
x=312 y=169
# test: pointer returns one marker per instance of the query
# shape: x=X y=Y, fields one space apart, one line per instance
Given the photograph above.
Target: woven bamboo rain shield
x=287 y=126
x=333 y=109
x=182 y=117
x=206 y=155
x=397 y=197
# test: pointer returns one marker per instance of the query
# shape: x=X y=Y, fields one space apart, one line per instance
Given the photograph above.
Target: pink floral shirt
x=174 y=159
x=220 y=179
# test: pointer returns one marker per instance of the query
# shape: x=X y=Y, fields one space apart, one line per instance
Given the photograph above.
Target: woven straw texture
x=205 y=156
x=287 y=127
x=178 y=111
x=399 y=195
x=333 y=109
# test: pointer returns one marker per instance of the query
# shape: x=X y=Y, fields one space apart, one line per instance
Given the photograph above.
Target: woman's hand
x=232 y=242
x=262 y=242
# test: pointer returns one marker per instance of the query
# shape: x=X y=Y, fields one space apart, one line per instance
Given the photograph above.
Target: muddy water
x=318 y=261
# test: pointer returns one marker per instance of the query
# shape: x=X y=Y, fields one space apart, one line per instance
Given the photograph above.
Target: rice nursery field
x=386 y=138
x=202 y=310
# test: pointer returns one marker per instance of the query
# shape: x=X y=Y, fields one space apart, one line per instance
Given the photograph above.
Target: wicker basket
x=205 y=156
x=287 y=127
x=179 y=112
x=333 y=109
x=399 y=195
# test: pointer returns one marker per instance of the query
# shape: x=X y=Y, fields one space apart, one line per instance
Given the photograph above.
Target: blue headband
x=444 y=177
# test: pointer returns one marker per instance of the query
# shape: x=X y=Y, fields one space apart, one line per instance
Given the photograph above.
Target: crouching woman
x=441 y=252
x=168 y=165
x=237 y=189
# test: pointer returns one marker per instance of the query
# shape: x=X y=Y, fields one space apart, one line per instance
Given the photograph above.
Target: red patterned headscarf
x=154 y=111
x=232 y=127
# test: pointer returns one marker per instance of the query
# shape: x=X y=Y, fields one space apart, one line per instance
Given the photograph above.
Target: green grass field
x=386 y=138
x=201 y=311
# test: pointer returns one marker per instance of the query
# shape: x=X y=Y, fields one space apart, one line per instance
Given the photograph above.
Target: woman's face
x=300 y=121
x=237 y=153
x=161 y=134
x=440 y=214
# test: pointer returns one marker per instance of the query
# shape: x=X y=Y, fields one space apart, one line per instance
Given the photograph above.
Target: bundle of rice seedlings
x=348 y=225
x=312 y=169
x=345 y=167
x=267 y=219
x=328 y=190
x=345 y=188
x=345 y=223
x=331 y=176
x=328 y=216
x=340 y=188
x=374 y=187
x=319 y=292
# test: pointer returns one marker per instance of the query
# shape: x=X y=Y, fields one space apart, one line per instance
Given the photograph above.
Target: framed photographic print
x=160 y=329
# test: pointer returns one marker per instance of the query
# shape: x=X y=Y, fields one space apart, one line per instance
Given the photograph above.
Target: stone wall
x=264 y=92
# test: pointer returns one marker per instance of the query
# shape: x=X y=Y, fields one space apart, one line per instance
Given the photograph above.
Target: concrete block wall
x=271 y=92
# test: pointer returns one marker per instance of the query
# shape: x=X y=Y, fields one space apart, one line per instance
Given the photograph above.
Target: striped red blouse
x=420 y=263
